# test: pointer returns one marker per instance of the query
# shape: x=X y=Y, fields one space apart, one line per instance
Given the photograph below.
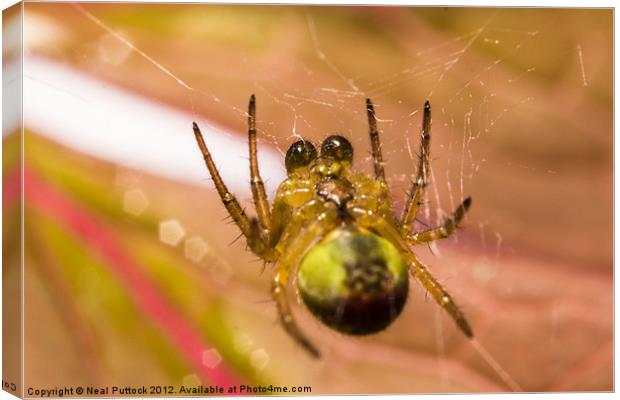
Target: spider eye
x=300 y=154
x=338 y=148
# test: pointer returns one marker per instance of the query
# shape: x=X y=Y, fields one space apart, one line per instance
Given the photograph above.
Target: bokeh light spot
x=135 y=202
x=191 y=380
x=171 y=232
x=126 y=177
x=220 y=272
x=211 y=358
x=483 y=272
x=259 y=359
x=111 y=50
x=196 y=248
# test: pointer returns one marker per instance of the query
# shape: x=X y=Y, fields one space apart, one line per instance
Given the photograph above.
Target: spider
x=336 y=228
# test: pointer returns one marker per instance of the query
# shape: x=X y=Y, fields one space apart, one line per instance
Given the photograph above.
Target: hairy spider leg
x=442 y=297
x=278 y=293
x=249 y=227
x=297 y=243
x=377 y=157
x=258 y=188
x=417 y=269
x=444 y=230
x=415 y=197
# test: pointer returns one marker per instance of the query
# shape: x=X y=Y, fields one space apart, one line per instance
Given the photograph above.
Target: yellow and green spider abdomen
x=354 y=281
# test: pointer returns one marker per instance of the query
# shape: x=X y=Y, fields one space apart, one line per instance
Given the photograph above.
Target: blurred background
x=133 y=275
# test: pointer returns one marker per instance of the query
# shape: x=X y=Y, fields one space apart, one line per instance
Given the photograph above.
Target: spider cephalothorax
x=337 y=229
